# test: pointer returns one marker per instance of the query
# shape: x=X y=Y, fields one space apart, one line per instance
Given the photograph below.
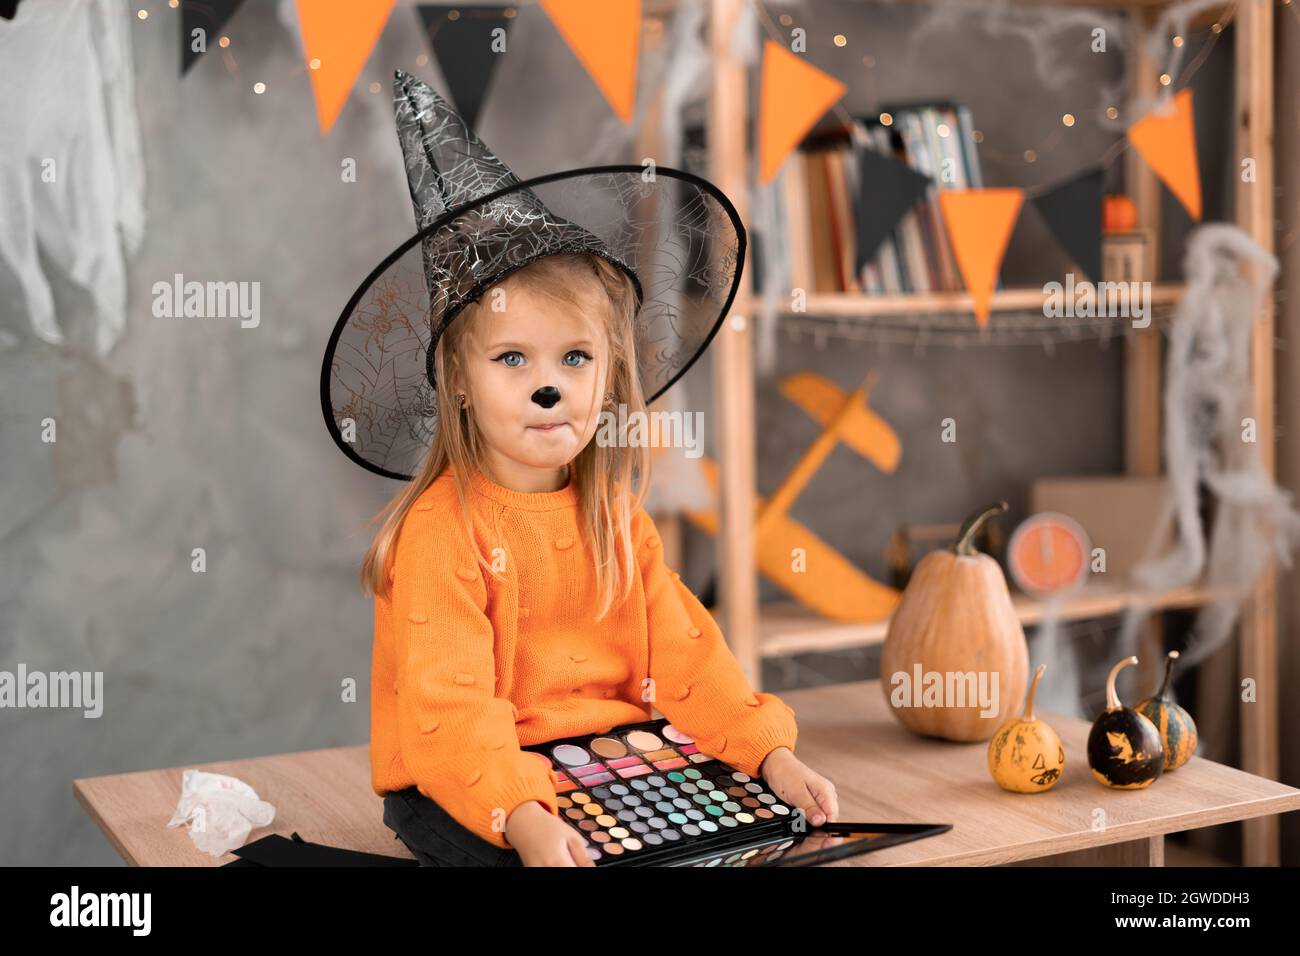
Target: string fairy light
x=1031 y=155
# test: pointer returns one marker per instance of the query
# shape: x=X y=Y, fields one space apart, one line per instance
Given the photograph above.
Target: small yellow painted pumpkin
x=1025 y=755
x=1124 y=748
x=1176 y=727
x=955 y=656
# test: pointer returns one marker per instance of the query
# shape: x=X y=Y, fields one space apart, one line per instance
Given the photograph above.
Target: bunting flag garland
x=1166 y=141
x=1073 y=213
x=895 y=188
x=794 y=96
x=337 y=40
x=979 y=224
x=464 y=49
x=8 y=8
x=339 y=37
x=607 y=41
x=209 y=16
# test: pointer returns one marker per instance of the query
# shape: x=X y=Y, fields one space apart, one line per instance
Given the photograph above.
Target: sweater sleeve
x=696 y=680
x=456 y=737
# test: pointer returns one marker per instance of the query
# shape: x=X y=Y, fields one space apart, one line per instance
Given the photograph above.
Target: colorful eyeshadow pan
x=675 y=735
x=571 y=755
x=644 y=795
x=644 y=740
x=608 y=747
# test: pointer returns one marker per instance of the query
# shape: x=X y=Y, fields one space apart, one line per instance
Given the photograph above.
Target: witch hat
x=676 y=235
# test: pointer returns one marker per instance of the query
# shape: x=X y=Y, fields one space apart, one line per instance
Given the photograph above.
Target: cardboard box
x=1120 y=513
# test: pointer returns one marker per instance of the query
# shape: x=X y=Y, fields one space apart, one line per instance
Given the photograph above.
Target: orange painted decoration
x=1167 y=143
x=606 y=39
x=979 y=224
x=341 y=36
x=793 y=96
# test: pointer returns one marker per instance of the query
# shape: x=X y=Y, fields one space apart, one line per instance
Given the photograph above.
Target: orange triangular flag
x=607 y=41
x=979 y=224
x=1168 y=144
x=341 y=36
x=793 y=97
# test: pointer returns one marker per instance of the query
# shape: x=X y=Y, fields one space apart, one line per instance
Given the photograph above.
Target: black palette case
x=645 y=795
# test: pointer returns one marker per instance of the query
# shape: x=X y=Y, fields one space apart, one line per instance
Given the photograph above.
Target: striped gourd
x=1176 y=727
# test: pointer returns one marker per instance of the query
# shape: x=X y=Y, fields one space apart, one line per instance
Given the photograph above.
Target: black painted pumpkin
x=1175 y=725
x=1124 y=747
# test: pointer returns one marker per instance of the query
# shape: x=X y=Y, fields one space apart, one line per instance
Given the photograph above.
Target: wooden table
x=881 y=771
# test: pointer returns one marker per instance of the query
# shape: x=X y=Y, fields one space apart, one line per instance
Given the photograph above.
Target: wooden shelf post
x=1257 y=647
x=733 y=372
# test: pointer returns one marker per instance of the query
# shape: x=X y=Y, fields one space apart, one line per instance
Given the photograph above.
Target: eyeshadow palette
x=644 y=794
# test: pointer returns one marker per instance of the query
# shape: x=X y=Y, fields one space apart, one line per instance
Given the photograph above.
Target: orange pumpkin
x=955 y=623
x=1118 y=214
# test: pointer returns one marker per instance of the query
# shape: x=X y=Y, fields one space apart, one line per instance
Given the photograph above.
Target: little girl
x=520 y=588
x=527 y=597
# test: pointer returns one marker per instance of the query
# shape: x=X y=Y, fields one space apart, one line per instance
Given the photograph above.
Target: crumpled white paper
x=220 y=810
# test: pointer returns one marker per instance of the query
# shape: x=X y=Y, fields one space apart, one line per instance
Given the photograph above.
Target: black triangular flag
x=463 y=49
x=8 y=8
x=887 y=189
x=209 y=16
x=1073 y=213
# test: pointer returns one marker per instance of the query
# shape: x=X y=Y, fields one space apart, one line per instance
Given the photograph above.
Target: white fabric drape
x=71 y=166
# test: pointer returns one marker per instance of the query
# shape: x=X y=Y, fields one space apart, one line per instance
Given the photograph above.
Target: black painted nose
x=546 y=396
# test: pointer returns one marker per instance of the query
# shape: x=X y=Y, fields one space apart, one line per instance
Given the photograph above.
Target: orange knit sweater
x=467 y=668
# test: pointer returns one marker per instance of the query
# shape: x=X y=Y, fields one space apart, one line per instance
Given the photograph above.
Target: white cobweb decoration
x=1208 y=419
x=1209 y=438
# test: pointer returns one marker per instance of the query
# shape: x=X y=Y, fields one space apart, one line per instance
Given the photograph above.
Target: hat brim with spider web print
x=674 y=234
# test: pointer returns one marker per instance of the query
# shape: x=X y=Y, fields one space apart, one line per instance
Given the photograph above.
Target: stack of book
x=820 y=197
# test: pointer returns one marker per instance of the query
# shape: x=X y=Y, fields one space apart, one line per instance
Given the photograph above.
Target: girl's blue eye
x=508 y=364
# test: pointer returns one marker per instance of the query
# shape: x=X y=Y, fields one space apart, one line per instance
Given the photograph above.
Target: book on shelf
x=819 y=196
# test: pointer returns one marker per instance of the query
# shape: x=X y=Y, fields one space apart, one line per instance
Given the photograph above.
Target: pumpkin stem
x=1033 y=689
x=1112 y=699
x=970 y=527
x=1169 y=673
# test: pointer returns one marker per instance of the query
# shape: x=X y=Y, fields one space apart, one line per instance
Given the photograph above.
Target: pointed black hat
x=673 y=233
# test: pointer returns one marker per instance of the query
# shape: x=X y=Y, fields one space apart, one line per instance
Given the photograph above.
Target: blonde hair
x=605 y=474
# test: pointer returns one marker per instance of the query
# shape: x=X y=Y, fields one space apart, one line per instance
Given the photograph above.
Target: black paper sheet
x=276 y=850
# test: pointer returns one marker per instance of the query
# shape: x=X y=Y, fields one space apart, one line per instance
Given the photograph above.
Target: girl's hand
x=792 y=781
x=543 y=839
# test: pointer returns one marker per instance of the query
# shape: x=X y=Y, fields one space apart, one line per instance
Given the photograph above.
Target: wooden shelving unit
x=788 y=628
x=779 y=630
x=861 y=307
